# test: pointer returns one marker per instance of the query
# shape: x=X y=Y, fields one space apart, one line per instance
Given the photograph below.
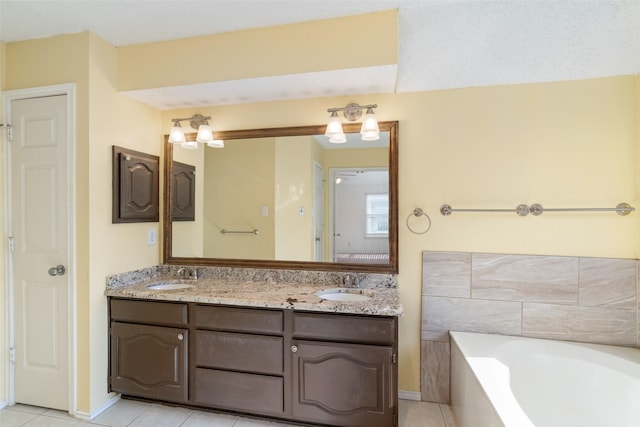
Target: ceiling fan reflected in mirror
x=344 y=176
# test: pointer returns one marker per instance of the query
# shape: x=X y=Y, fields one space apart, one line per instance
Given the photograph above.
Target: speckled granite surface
x=287 y=289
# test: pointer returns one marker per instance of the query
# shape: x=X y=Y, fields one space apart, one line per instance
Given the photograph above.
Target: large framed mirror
x=284 y=198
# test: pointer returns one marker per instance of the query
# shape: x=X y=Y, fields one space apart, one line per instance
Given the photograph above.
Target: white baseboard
x=409 y=395
x=3 y=404
x=89 y=416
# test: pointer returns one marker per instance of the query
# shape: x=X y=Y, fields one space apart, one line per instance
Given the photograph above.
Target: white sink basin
x=170 y=286
x=340 y=294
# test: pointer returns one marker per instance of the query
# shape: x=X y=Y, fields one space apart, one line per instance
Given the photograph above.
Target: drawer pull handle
x=180 y=337
x=294 y=349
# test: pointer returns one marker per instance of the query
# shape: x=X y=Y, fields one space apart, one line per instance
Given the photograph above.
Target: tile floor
x=137 y=414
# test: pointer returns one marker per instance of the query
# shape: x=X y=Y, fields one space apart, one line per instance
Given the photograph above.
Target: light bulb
x=334 y=129
x=205 y=134
x=369 y=129
x=176 y=134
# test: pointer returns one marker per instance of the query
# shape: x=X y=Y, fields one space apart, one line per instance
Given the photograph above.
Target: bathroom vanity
x=267 y=349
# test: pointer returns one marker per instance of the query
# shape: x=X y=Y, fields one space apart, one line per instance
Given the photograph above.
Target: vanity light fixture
x=201 y=124
x=352 y=112
x=334 y=129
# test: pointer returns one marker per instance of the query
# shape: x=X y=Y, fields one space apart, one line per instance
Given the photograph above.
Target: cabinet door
x=149 y=361
x=342 y=384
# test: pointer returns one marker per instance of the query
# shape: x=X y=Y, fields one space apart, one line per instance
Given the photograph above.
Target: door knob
x=58 y=270
x=294 y=349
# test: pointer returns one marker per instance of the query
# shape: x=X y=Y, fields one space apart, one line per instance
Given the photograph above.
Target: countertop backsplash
x=327 y=278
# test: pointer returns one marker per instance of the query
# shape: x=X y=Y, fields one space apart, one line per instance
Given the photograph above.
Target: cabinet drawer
x=150 y=312
x=239 y=319
x=345 y=328
x=258 y=394
x=240 y=352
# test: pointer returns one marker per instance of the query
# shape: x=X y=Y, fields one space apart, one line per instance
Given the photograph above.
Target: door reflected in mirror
x=286 y=198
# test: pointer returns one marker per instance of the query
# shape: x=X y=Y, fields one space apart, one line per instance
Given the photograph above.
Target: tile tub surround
x=593 y=300
x=261 y=288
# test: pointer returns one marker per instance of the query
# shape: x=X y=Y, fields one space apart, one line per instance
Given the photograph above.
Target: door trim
x=9 y=338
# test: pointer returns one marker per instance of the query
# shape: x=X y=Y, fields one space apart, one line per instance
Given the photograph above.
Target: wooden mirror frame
x=390 y=268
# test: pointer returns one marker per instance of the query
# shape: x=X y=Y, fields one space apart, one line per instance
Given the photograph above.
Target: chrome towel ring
x=418 y=212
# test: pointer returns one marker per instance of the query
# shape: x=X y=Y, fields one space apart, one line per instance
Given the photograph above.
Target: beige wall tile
x=446 y=274
x=544 y=279
x=585 y=324
x=449 y=417
x=435 y=367
x=441 y=314
x=608 y=283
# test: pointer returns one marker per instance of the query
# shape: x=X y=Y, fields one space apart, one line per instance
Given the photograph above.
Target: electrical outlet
x=152 y=237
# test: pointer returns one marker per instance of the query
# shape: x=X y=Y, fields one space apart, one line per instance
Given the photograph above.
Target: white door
x=318 y=211
x=39 y=227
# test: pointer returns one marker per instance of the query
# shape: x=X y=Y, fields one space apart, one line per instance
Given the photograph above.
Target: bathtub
x=505 y=381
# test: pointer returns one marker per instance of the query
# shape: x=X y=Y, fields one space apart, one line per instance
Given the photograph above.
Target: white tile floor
x=132 y=413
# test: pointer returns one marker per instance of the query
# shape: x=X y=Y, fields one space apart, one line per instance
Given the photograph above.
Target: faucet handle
x=346 y=280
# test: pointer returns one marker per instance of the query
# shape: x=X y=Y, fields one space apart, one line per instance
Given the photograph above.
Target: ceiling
x=443 y=44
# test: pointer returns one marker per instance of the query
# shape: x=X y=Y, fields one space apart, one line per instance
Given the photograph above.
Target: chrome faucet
x=350 y=281
x=184 y=273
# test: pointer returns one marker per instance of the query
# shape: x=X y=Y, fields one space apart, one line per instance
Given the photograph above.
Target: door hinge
x=12 y=355
x=394 y=358
x=11 y=245
x=9 y=131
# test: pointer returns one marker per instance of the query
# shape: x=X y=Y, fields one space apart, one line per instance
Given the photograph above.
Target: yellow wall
x=238 y=181
x=560 y=144
x=294 y=190
x=114 y=120
x=330 y=44
x=104 y=118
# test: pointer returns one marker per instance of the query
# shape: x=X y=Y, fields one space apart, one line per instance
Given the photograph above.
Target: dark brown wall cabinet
x=135 y=186
x=184 y=192
x=327 y=369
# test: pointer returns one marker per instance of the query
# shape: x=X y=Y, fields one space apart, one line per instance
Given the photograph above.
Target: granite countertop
x=385 y=301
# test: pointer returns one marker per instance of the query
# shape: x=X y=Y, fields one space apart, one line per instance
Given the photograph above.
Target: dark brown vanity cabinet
x=330 y=369
x=149 y=349
x=344 y=369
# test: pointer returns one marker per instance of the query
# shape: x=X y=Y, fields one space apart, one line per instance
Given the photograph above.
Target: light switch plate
x=152 y=237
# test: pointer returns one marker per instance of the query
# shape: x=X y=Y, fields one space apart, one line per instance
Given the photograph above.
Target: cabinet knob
x=294 y=349
x=180 y=337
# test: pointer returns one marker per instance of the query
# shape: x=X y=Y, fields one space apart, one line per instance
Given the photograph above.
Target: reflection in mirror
x=286 y=198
